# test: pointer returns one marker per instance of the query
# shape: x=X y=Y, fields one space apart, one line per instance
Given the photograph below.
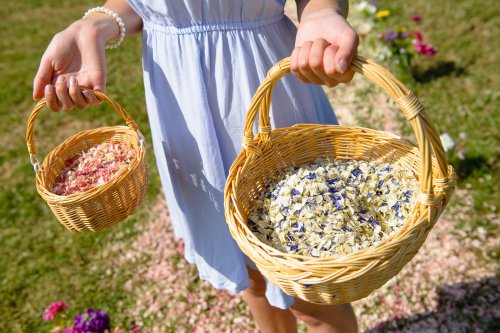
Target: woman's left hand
x=324 y=48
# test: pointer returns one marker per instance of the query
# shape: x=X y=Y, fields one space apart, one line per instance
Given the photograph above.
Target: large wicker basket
x=102 y=206
x=335 y=280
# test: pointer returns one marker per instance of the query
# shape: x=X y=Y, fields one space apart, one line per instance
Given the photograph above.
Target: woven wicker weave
x=335 y=280
x=102 y=206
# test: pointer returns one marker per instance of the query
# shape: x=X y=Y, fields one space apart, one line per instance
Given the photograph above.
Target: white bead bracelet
x=118 y=20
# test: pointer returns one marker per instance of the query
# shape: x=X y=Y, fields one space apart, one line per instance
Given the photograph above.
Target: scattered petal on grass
x=447 y=276
x=170 y=295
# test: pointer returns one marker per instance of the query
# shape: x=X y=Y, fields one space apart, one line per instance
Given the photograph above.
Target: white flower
x=366 y=8
x=333 y=207
x=447 y=141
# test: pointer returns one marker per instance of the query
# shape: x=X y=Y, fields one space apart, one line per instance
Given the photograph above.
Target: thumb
x=347 y=50
x=42 y=78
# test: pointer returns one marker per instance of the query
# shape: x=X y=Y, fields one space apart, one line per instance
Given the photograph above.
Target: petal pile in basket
x=331 y=208
x=93 y=167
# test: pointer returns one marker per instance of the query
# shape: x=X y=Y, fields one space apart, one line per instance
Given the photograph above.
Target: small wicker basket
x=342 y=279
x=102 y=206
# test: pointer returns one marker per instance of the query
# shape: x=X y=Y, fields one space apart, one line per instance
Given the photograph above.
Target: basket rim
x=91 y=193
x=279 y=255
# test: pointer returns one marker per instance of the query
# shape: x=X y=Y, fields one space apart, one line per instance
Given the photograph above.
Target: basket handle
x=30 y=131
x=427 y=138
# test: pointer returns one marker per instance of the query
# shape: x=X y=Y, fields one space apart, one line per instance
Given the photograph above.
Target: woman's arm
x=106 y=25
x=340 y=6
x=325 y=44
x=76 y=56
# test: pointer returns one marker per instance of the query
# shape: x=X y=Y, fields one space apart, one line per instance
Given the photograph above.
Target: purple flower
x=92 y=321
x=416 y=18
x=53 y=309
x=390 y=36
x=312 y=175
x=356 y=172
x=347 y=228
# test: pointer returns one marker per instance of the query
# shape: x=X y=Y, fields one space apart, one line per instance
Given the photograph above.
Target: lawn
x=41 y=262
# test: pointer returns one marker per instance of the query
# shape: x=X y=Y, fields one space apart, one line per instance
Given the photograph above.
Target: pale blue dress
x=203 y=61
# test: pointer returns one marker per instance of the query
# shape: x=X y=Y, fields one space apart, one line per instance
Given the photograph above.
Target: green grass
x=459 y=86
x=41 y=262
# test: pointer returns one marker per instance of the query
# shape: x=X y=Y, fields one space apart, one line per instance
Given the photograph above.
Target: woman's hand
x=74 y=57
x=325 y=44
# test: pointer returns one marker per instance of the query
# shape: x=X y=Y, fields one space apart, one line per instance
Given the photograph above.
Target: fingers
x=63 y=94
x=302 y=66
x=59 y=96
x=91 y=98
x=51 y=98
x=42 y=78
x=318 y=62
x=76 y=94
x=347 y=50
x=330 y=66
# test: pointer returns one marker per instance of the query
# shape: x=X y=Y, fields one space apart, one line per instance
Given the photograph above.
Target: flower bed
x=331 y=208
x=93 y=167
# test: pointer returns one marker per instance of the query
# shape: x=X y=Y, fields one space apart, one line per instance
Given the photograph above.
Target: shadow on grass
x=462 y=307
x=442 y=68
x=470 y=166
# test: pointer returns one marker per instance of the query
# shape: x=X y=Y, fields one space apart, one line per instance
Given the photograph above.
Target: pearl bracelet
x=118 y=20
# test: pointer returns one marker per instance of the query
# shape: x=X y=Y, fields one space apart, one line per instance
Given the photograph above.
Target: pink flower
x=94 y=167
x=416 y=18
x=418 y=36
x=430 y=51
x=53 y=309
x=422 y=47
x=426 y=49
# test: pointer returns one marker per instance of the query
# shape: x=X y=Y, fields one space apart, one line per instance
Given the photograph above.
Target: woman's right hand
x=75 y=57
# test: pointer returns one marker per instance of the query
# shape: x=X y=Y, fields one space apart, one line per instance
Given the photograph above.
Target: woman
x=203 y=60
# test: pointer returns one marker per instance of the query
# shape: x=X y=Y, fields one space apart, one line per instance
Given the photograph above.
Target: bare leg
x=325 y=318
x=268 y=318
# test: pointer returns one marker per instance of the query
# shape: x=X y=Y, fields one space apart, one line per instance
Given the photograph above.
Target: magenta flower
x=416 y=18
x=418 y=36
x=430 y=51
x=53 y=309
x=422 y=47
